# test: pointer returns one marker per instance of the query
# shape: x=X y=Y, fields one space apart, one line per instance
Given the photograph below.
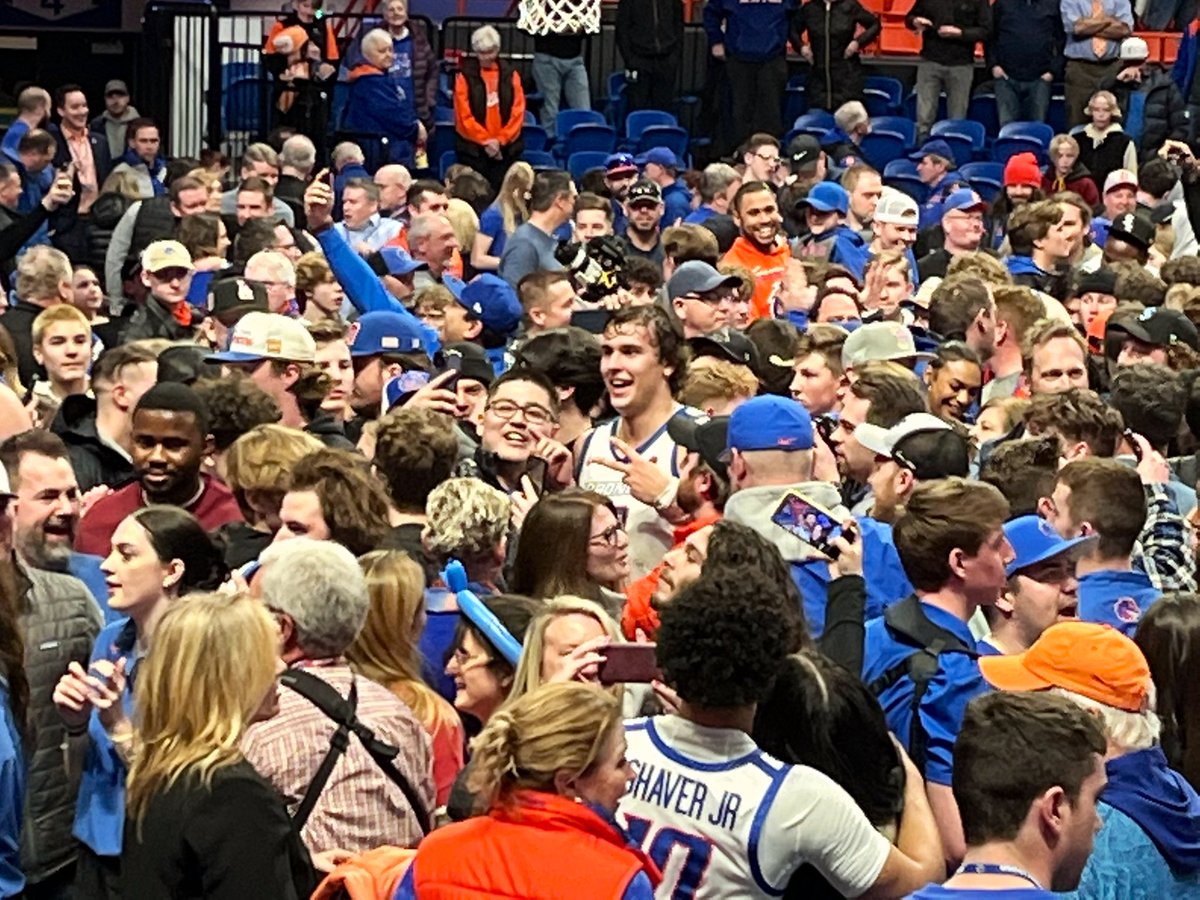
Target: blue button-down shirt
x=1081 y=47
x=957 y=682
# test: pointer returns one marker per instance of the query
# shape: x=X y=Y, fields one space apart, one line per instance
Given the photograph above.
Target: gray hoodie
x=753 y=507
x=114 y=129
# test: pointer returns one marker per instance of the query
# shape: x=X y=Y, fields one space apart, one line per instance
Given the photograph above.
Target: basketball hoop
x=541 y=17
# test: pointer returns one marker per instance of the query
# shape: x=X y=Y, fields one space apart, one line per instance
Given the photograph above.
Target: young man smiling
x=759 y=247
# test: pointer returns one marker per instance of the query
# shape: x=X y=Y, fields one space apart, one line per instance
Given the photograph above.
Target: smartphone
x=808 y=521
x=535 y=468
x=825 y=426
x=453 y=364
x=1134 y=446
x=629 y=663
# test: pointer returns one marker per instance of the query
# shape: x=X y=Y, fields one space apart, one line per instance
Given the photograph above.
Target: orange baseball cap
x=1095 y=661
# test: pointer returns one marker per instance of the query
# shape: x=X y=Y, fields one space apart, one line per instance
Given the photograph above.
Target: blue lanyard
x=995 y=869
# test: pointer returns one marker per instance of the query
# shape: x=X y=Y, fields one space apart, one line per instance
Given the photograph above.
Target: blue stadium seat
x=569 y=118
x=1034 y=131
x=910 y=184
x=899 y=168
x=615 y=103
x=982 y=108
x=599 y=138
x=530 y=118
x=882 y=147
x=968 y=128
x=579 y=163
x=878 y=103
x=987 y=170
x=535 y=137
x=540 y=159
x=664 y=136
x=986 y=188
x=795 y=103
x=890 y=88
x=907 y=128
x=445 y=161
x=816 y=122
x=440 y=141
x=1005 y=147
x=639 y=120
x=964 y=150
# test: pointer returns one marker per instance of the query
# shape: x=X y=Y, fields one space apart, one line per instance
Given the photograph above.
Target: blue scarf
x=156 y=171
x=1144 y=787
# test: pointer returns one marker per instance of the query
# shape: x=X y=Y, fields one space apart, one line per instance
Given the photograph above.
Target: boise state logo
x=1126 y=610
x=352 y=331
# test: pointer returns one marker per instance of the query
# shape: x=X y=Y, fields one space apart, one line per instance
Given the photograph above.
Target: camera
x=595 y=266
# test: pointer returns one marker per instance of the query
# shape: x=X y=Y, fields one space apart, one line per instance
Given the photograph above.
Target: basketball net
x=540 y=17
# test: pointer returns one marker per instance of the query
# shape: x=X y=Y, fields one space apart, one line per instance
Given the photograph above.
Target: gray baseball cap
x=698 y=277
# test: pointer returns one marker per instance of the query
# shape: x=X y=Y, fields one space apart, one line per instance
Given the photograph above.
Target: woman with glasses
x=591 y=550
x=159 y=554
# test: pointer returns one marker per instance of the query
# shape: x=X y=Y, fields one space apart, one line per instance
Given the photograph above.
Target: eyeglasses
x=535 y=413
x=714 y=298
x=769 y=159
x=464 y=660
x=609 y=536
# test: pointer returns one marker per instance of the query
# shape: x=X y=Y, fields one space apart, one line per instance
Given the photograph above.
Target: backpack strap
x=908 y=620
x=343 y=712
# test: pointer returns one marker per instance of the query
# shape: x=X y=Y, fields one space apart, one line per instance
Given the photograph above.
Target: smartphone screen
x=809 y=522
x=628 y=663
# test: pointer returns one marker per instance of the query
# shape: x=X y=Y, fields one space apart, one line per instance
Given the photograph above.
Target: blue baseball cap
x=827 y=196
x=385 y=332
x=660 y=156
x=769 y=422
x=933 y=148
x=395 y=261
x=491 y=300
x=620 y=163
x=1034 y=540
x=965 y=200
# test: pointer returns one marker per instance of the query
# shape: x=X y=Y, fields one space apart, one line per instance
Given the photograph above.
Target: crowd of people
x=751 y=532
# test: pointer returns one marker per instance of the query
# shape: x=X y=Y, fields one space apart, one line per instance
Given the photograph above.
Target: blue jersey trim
x=756 y=828
x=672 y=754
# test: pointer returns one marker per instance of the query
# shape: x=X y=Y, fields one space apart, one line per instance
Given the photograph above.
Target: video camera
x=595 y=266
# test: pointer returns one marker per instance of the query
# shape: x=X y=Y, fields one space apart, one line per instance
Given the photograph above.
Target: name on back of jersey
x=684 y=796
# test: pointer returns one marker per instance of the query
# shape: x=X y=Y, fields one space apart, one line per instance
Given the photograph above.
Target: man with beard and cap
x=170 y=441
x=1042 y=588
x=760 y=247
x=620 y=174
x=771 y=454
x=1149 y=336
x=1148 y=843
x=644 y=214
x=703 y=489
x=920 y=448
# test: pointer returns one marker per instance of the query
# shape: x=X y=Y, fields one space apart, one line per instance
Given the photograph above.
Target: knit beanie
x=1022 y=168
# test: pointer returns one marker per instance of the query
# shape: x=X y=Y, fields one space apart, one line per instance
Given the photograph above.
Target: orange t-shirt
x=767 y=268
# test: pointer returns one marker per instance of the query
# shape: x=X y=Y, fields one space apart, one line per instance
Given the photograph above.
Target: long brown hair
x=1169 y=636
x=12 y=647
x=561 y=521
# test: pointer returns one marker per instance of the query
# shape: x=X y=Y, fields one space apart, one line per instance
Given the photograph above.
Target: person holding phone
x=159 y=554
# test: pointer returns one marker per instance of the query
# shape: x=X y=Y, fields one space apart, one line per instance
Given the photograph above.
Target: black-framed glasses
x=534 y=413
x=610 y=536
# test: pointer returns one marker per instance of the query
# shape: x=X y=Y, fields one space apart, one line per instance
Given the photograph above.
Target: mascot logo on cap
x=1047 y=530
x=352 y=331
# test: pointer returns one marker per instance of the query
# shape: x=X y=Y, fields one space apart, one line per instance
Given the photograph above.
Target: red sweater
x=213 y=508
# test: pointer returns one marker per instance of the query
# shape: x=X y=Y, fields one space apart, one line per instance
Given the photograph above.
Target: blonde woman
x=1103 y=146
x=200 y=821
x=387 y=652
x=464 y=221
x=498 y=221
x=550 y=769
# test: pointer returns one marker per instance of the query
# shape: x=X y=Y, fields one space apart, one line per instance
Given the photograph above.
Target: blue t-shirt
x=491 y=223
x=957 y=682
x=1115 y=598
x=938 y=892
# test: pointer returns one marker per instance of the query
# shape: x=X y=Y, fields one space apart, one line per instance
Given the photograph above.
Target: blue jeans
x=556 y=78
x=1022 y=101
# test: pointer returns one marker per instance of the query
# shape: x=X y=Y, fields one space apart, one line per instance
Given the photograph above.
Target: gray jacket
x=60 y=620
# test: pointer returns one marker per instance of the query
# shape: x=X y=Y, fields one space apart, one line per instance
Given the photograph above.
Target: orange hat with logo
x=1095 y=661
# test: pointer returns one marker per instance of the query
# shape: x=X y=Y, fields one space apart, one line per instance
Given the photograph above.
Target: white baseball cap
x=260 y=335
x=1134 y=48
x=1120 y=178
x=896 y=208
x=882 y=441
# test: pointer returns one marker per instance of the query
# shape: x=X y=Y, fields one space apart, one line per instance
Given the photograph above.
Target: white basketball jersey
x=721 y=818
x=650 y=535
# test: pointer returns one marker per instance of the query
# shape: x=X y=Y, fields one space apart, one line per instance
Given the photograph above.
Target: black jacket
x=326 y=429
x=233 y=839
x=974 y=17
x=1027 y=38
x=1165 y=112
x=18 y=320
x=830 y=28
x=94 y=461
x=15 y=229
x=153 y=320
x=65 y=216
x=648 y=29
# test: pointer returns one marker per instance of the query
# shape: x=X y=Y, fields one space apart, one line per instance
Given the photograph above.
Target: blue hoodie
x=377 y=107
x=677 y=203
x=754 y=31
x=1024 y=265
x=1149 y=845
x=1116 y=598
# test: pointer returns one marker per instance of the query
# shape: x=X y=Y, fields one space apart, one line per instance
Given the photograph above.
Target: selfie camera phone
x=808 y=521
x=635 y=663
